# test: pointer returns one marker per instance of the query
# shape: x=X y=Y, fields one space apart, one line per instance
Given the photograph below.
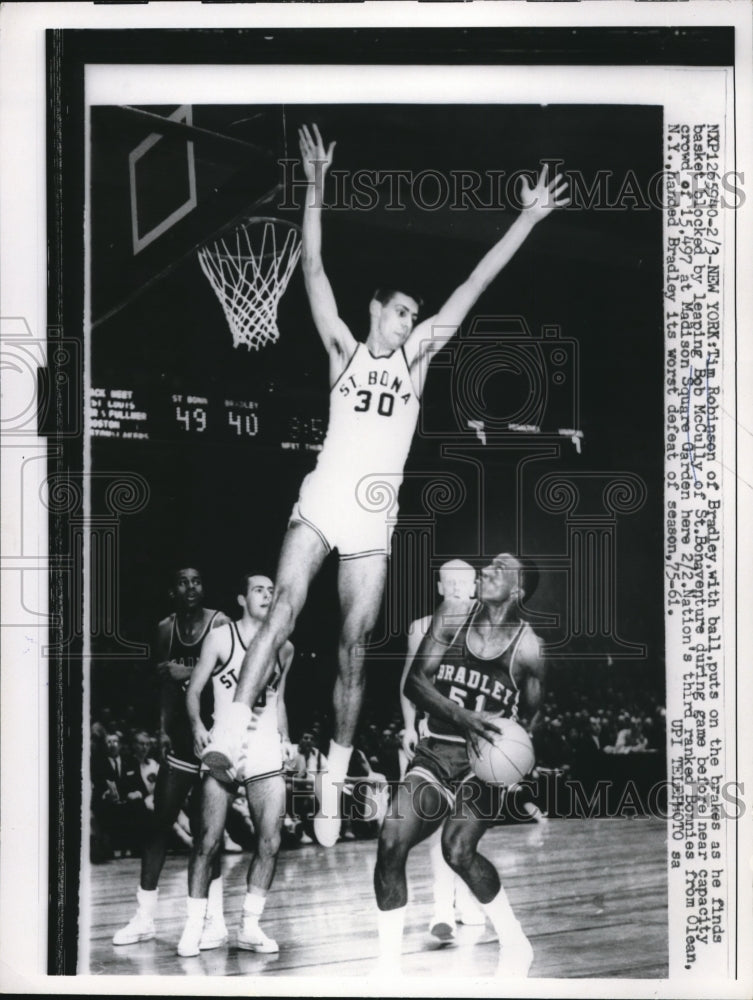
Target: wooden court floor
x=590 y=894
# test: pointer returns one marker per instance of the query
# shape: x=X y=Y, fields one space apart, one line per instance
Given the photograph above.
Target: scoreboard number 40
x=244 y=423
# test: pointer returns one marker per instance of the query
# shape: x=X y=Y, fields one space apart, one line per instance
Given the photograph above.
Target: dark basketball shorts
x=445 y=764
x=183 y=766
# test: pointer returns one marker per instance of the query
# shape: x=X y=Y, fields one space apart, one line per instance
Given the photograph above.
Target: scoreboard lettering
x=153 y=414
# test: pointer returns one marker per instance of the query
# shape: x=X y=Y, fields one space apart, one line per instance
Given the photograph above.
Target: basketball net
x=249 y=269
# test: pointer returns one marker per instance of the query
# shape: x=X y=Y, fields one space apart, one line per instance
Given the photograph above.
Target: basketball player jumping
x=375 y=394
x=260 y=770
x=457 y=581
x=474 y=664
x=180 y=638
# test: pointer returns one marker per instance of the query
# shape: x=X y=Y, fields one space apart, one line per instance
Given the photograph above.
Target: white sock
x=147 y=900
x=196 y=909
x=443 y=879
x=464 y=898
x=390 y=926
x=501 y=914
x=253 y=907
x=338 y=760
x=214 y=904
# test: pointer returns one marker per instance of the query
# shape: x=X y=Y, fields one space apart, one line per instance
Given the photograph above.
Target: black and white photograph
x=384 y=432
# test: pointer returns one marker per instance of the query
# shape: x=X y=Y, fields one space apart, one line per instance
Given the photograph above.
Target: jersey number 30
x=384 y=407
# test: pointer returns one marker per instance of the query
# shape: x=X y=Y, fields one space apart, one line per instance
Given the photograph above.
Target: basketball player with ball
x=479 y=664
x=457 y=580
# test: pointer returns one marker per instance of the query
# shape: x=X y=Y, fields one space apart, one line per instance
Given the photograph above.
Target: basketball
x=506 y=760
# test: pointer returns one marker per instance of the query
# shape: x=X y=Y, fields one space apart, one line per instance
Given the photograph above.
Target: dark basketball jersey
x=177 y=723
x=476 y=683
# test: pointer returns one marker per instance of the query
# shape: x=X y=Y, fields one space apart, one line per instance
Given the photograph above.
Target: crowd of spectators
x=586 y=718
x=124 y=763
x=580 y=721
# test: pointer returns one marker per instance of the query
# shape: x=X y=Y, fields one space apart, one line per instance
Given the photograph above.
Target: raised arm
x=420 y=686
x=336 y=337
x=211 y=654
x=433 y=333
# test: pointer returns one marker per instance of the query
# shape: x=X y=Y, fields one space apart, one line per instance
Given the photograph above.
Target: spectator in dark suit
x=141 y=771
x=138 y=787
x=108 y=771
x=109 y=795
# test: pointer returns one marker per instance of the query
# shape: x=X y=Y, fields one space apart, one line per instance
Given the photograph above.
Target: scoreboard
x=287 y=420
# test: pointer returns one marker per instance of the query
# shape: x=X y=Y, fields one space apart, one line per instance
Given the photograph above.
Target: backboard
x=164 y=180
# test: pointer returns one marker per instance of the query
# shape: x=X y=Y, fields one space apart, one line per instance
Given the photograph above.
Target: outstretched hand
x=547 y=195
x=316 y=159
x=476 y=727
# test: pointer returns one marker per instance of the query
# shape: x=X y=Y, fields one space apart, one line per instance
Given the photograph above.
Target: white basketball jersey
x=372 y=417
x=225 y=681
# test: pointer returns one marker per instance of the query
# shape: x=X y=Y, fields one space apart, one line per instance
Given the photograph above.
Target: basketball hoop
x=249 y=269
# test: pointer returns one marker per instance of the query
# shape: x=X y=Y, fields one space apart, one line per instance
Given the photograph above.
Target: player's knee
x=392 y=849
x=207 y=846
x=357 y=626
x=353 y=639
x=457 y=852
x=268 y=845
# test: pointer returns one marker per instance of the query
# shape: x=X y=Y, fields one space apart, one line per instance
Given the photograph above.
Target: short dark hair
x=387 y=293
x=183 y=566
x=243 y=582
